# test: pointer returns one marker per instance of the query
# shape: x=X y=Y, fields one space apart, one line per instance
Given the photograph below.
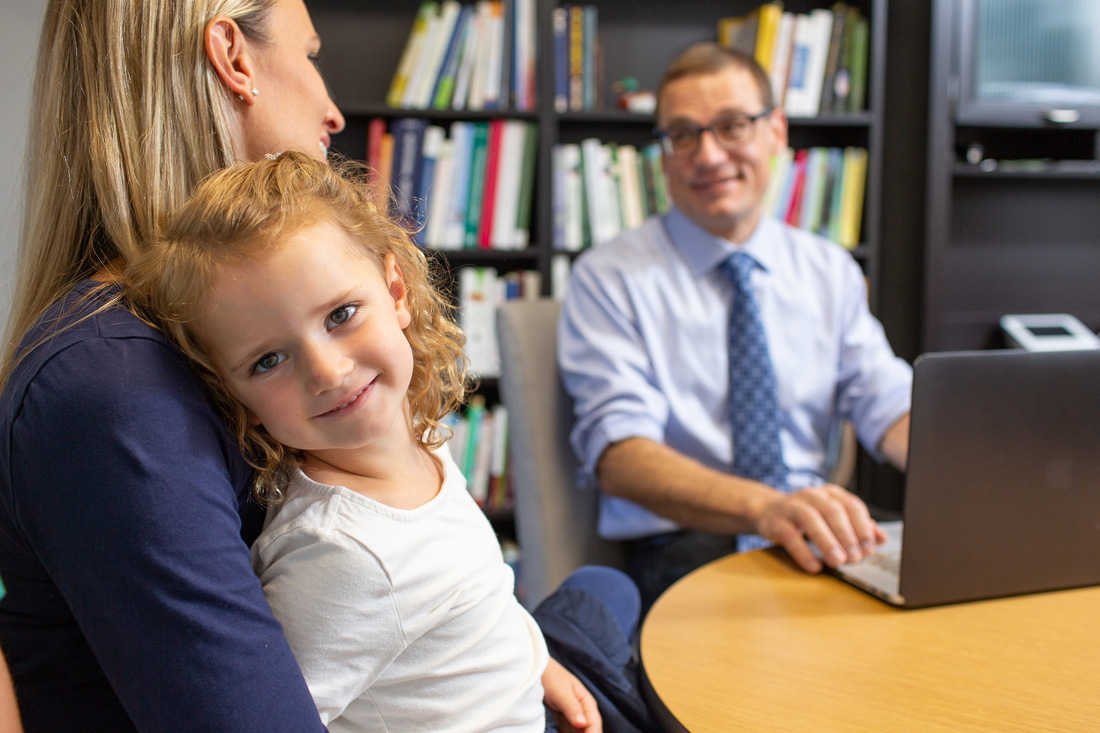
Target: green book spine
x=527 y=185
x=857 y=95
x=477 y=184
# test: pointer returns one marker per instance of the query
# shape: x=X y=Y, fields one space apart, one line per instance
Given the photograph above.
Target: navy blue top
x=125 y=524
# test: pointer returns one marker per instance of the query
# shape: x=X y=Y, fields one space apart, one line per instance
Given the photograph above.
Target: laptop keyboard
x=889 y=561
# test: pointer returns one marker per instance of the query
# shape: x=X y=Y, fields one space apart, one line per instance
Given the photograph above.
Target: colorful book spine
x=412 y=52
x=476 y=187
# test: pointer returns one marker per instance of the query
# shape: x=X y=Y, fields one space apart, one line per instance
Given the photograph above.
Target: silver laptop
x=1002 y=490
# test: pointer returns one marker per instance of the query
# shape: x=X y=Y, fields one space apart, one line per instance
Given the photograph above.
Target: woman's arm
x=122 y=484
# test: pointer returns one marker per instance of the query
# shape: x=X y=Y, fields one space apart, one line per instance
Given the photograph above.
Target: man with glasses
x=711 y=353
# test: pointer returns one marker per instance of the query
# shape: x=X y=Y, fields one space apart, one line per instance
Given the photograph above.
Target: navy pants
x=589 y=625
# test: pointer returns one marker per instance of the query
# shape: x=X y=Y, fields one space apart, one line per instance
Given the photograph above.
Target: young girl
x=314 y=320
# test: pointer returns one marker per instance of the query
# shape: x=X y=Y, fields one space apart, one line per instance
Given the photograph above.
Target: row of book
x=471 y=189
x=576 y=78
x=479 y=445
x=480 y=291
x=820 y=190
x=601 y=189
x=468 y=57
x=817 y=61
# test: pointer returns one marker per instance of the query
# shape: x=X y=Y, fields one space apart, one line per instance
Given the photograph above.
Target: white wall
x=19 y=25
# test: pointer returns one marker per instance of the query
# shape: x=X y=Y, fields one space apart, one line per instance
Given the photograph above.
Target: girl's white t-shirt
x=401 y=620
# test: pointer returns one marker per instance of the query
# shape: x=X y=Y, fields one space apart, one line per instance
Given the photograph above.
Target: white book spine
x=440 y=199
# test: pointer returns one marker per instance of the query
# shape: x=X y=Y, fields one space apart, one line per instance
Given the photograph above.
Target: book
x=431 y=147
x=507 y=54
x=489 y=185
x=494 y=61
x=467 y=56
x=408 y=137
x=435 y=51
x=385 y=162
x=498 y=469
x=589 y=59
x=766 y=33
x=506 y=206
x=440 y=196
x=807 y=70
x=422 y=58
x=576 y=57
x=842 y=80
x=476 y=191
x=857 y=64
x=779 y=170
x=630 y=190
x=851 y=210
x=412 y=53
x=832 y=57
x=834 y=185
x=454 y=232
x=477 y=315
x=480 y=72
x=569 y=191
x=792 y=213
x=525 y=50
x=656 y=178
x=448 y=70
x=781 y=58
x=526 y=186
x=816 y=180
x=376 y=129
x=739 y=32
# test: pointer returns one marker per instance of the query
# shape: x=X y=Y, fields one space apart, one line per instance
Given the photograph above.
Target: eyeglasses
x=682 y=140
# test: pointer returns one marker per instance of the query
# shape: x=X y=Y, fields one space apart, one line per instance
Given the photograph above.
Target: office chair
x=555 y=519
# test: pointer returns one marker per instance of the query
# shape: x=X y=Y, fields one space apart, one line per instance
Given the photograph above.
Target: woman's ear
x=229 y=54
x=395 y=281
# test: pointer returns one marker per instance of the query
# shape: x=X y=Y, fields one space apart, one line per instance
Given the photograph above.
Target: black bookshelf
x=1012 y=194
x=363 y=42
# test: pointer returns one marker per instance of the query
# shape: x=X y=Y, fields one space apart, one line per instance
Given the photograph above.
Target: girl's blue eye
x=340 y=316
x=267 y=362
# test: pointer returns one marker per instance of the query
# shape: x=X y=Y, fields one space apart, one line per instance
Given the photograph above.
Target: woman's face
x=292 y=109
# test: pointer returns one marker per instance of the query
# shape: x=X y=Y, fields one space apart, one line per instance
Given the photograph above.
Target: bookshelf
x=1012 y=187
x=363 y=43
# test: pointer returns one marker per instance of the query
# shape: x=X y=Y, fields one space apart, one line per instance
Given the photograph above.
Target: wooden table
x=749 y=642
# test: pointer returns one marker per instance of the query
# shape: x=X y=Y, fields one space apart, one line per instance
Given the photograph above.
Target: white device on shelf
x=1049 y=332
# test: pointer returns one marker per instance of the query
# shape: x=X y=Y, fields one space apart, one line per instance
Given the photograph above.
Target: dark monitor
x=1028 y=62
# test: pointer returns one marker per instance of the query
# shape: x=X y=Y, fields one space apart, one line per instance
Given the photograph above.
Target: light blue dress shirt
x=643 y=349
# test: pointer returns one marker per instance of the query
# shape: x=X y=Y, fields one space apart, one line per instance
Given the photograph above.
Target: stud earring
x=255 y=93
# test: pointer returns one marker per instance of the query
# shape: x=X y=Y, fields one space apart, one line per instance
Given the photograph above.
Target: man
x=650 y=352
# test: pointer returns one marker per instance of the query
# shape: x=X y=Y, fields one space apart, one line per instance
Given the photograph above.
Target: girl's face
x=309 y=336
x=292 y=110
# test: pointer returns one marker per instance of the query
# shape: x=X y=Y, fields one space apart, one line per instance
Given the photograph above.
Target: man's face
x=720 y=189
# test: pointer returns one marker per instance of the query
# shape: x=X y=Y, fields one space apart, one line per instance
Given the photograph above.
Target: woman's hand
x=566 y=696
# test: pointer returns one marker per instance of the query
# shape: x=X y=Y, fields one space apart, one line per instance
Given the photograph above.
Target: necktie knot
x=738 y=268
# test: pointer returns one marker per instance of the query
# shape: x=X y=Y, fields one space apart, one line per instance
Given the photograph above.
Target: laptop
x=1002 y=491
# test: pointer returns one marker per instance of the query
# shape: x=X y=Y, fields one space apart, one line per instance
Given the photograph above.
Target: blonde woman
x=125 y=514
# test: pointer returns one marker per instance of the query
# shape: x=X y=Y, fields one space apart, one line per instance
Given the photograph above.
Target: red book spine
x=488 y=199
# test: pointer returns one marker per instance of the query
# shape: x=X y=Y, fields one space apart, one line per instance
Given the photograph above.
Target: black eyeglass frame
x=662 y=134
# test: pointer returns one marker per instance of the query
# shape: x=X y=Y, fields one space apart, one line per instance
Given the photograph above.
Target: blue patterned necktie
x=754 y=408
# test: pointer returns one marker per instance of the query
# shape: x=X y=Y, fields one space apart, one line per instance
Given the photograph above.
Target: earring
x=255 y=92
x=240 y=97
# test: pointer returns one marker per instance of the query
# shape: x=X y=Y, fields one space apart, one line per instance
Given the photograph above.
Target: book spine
x=576 y=57
x=454 y=232
x=588 y=65
x=411 y=54
x=489 y=193
x=526 y=195
x=408 y=136
x=445 y=86
x=376 y=128
x=477 y=184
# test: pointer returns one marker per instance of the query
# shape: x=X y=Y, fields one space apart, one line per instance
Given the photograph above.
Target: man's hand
x=566 y=696
x=831 y=517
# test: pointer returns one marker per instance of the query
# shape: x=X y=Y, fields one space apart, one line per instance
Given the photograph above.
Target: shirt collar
x=704 y=251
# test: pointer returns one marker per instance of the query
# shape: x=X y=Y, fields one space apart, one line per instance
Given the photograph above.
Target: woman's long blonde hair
x=128 y=116
x=249 y=209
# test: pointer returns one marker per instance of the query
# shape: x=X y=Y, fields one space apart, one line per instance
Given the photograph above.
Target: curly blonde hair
x=249 y=209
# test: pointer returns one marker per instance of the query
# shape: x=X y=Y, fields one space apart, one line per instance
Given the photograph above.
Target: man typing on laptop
x=711 y=353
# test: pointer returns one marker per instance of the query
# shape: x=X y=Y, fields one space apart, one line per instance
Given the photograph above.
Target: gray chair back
x=555 y=520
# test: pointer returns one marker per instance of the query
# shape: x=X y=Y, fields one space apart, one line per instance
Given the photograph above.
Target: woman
x=124 y=509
